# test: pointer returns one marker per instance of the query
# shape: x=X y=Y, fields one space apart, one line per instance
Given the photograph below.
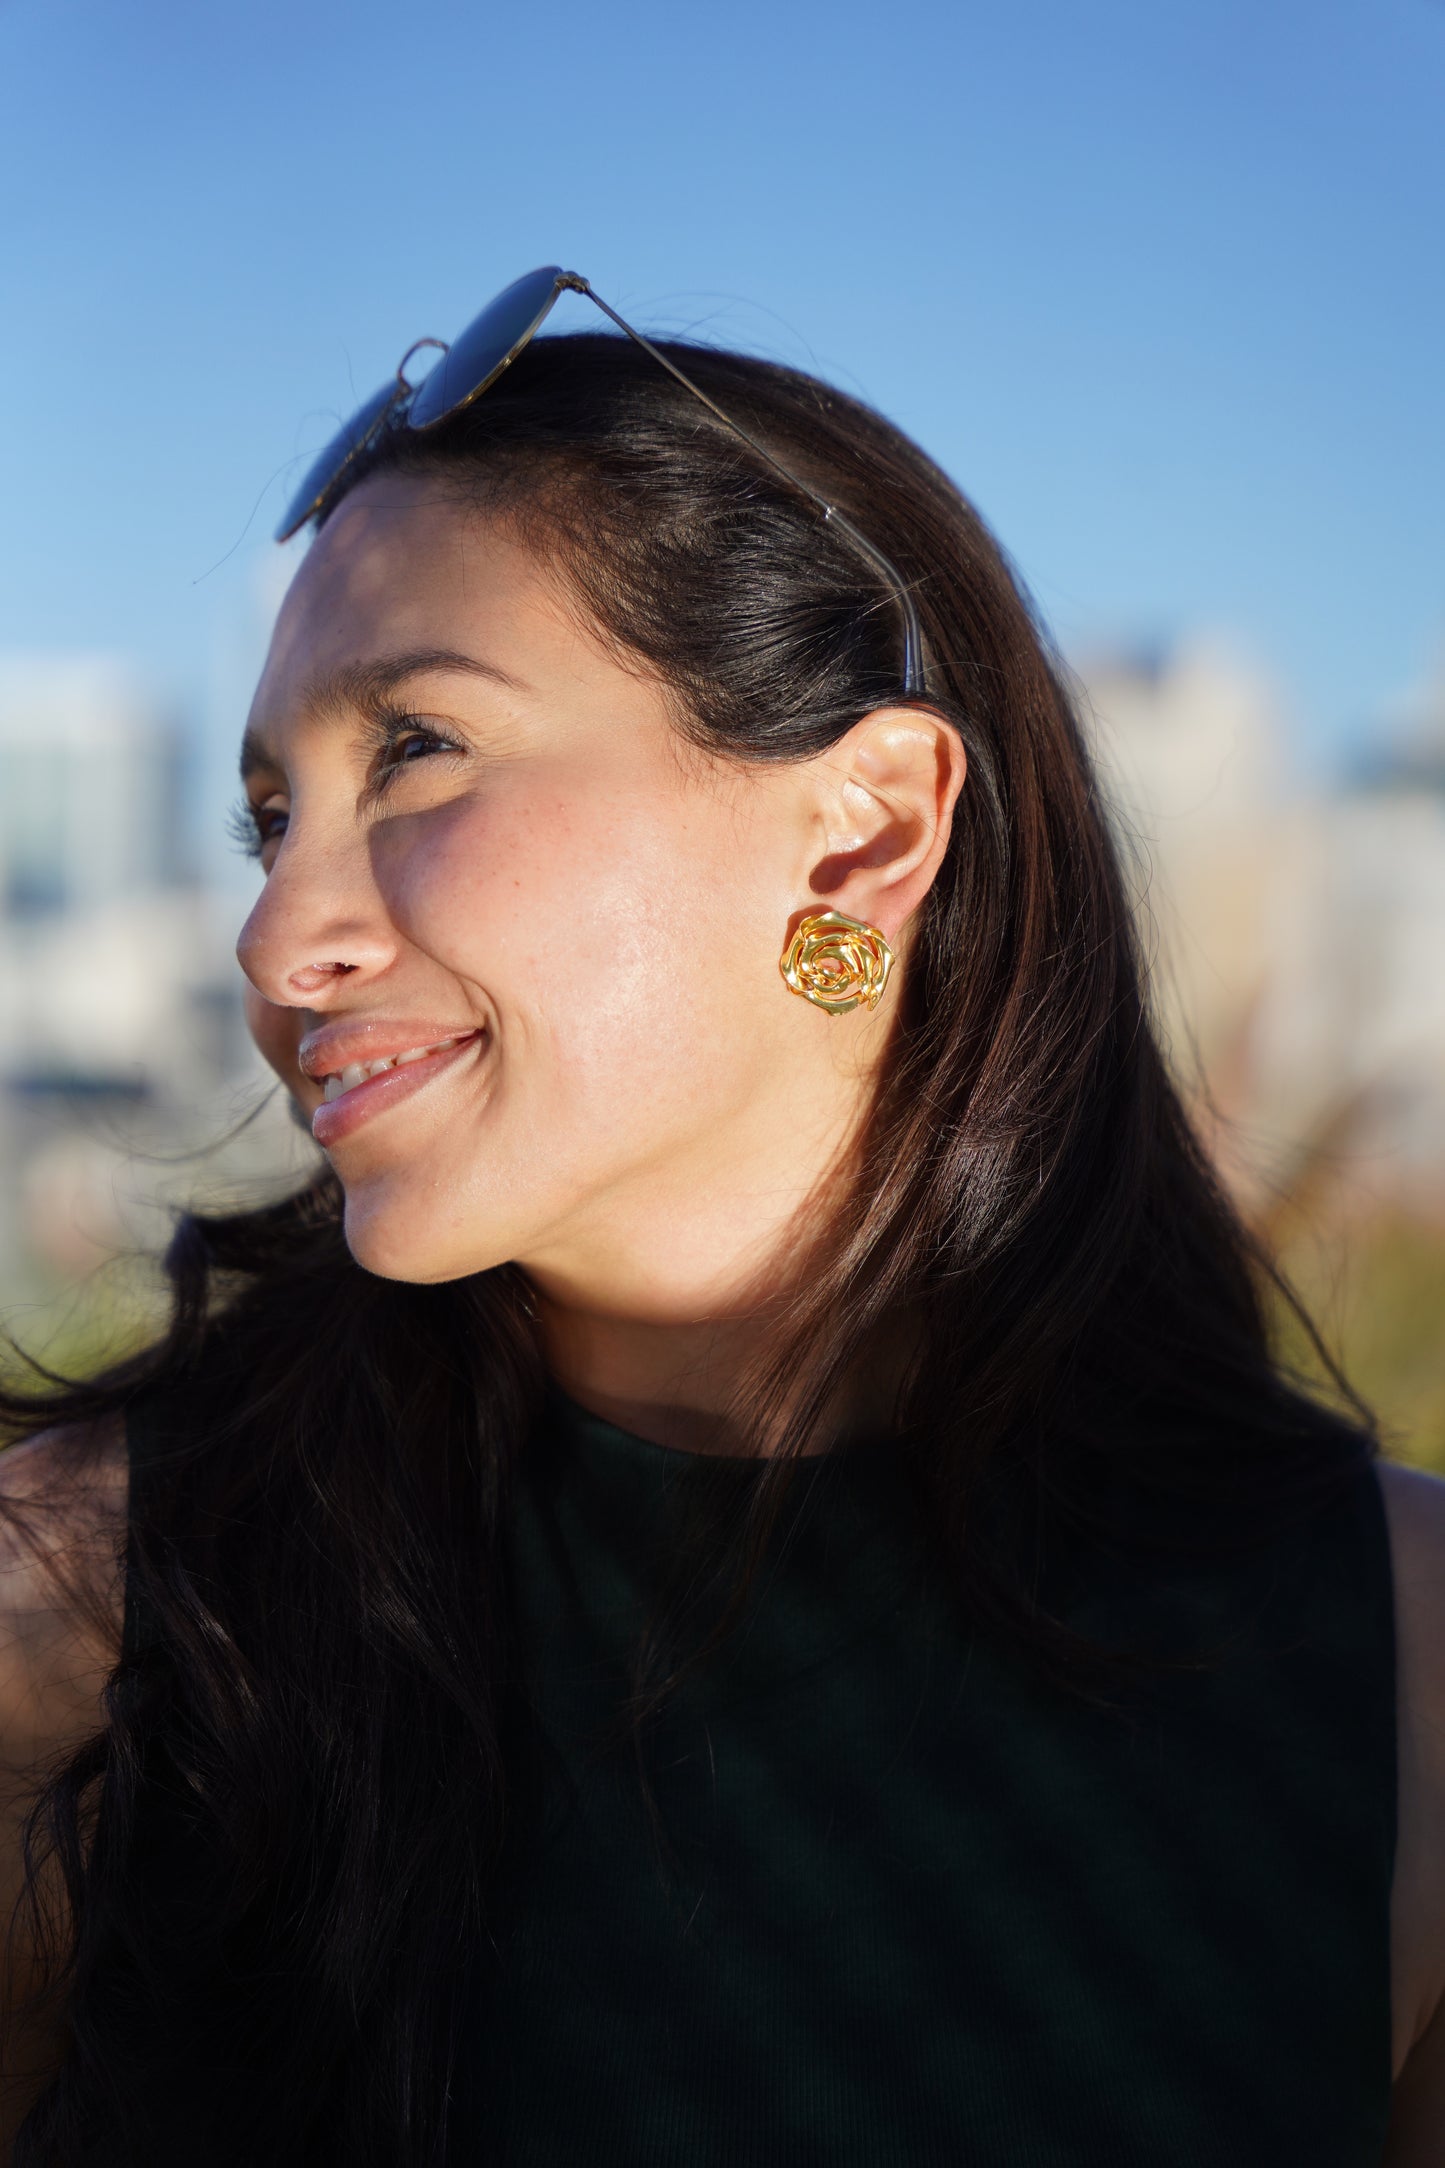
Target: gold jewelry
x=839 y=963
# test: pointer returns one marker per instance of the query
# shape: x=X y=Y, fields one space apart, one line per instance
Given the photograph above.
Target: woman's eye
x=405 y=747
x=413 y=745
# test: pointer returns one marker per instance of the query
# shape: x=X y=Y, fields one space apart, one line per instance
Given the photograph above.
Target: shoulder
x=63 y=1499
x=1415 y=1513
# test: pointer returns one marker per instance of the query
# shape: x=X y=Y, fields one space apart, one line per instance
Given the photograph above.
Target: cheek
x=620 y=945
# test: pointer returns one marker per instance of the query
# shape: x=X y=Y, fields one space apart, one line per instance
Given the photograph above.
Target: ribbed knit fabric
x=904 y=1907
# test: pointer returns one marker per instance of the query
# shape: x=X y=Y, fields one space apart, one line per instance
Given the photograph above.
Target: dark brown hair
x=321 y=1689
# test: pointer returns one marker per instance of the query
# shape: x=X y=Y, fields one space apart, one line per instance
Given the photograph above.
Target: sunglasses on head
x=477 y=358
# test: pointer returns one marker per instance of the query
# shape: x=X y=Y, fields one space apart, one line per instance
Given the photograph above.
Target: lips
x=339 y=1082
x=362 y=1075
x=335 y=1046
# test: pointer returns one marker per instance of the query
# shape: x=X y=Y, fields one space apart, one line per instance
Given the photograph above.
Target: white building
x=121 y=1035
x=1300 y=933
x=90 y=809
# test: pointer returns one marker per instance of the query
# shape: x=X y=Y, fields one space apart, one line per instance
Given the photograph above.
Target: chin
x=388 y=1237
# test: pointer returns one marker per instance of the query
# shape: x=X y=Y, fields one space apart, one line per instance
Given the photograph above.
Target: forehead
x=404 y=567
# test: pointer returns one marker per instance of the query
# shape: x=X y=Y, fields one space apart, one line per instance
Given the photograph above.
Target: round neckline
x=600 y=1429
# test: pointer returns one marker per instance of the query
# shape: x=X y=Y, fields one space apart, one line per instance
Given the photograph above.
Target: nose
x=317 y=924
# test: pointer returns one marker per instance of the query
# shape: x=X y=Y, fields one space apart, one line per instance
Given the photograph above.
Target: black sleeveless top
x=893 y=1901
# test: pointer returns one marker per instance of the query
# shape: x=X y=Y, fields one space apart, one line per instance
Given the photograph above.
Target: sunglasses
x=477 y=358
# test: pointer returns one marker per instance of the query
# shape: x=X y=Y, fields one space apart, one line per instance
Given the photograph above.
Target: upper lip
x=328 y=1051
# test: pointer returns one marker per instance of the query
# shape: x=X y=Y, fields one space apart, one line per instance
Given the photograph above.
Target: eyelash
x=243 y=828
x=244 y=821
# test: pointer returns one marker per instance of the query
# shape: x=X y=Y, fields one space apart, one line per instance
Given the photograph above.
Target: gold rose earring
x=839 y=963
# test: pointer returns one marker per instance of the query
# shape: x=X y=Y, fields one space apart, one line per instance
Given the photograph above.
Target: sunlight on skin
x=645 y=1109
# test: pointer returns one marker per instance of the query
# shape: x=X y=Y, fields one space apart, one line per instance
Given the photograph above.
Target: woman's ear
x=883 y=800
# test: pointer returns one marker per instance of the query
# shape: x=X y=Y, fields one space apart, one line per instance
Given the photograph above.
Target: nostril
x=312 y=977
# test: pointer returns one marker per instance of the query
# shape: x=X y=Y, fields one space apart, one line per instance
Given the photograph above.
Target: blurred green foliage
x=1375 y=1288
x=75 y=1328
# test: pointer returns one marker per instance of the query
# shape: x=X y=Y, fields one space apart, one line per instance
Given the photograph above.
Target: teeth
x=357 y=1072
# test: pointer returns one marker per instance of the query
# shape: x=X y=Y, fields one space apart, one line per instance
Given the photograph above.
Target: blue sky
x=1160 y=284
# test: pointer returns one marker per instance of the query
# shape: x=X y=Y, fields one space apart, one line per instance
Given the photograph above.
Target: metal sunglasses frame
x=529 y=301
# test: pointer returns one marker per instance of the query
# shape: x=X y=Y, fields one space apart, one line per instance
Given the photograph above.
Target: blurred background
x=1160 y=287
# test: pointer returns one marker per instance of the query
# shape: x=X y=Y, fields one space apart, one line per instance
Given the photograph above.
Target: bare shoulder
x=1415 y=1511
x=62 y=1528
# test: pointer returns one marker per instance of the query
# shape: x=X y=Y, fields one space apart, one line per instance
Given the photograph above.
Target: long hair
x=319 y=1684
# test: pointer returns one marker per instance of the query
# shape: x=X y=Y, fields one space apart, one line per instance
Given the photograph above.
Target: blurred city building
x=1296 y=931
x=121 y=1038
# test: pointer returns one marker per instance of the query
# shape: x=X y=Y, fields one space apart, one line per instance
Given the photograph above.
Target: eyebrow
x=368 y=687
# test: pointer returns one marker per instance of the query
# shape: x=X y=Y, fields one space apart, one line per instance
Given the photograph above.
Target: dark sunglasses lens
x=482 y=351
x=344 y=446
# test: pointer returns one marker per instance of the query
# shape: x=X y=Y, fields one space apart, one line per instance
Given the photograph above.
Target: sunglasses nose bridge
x=403 y=381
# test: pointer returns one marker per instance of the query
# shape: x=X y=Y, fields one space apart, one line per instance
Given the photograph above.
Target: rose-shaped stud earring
x=836 y=962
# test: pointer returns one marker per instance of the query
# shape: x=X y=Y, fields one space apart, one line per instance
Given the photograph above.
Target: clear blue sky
x=1159 y=283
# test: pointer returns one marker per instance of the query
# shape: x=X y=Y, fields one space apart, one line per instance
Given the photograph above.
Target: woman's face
x=492 y=863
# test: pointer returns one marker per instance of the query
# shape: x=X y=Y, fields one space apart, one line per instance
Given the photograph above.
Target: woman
x=734 y=1580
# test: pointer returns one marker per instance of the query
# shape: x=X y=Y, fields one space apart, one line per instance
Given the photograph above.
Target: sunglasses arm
x=913 y=685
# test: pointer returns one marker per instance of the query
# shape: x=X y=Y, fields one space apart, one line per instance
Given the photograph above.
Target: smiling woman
x=735 y=1578
x=500 y=852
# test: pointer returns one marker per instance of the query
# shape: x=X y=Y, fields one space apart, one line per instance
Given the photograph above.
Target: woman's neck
x=684 y=1384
